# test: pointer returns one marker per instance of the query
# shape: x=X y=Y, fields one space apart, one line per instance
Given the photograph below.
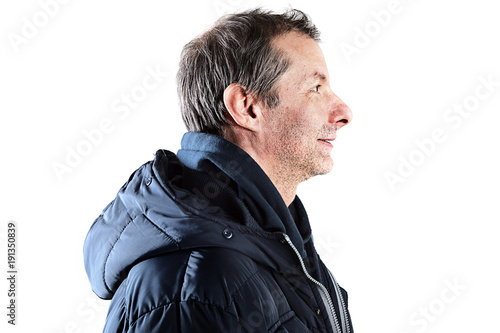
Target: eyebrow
x=316 y=75
x=319 y=75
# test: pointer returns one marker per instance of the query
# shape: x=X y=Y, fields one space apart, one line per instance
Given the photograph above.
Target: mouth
x=327 y=142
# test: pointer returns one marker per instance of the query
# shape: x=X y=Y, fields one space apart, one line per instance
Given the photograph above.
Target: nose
x=341 y=114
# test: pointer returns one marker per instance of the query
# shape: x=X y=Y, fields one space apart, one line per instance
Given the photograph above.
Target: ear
x=244 y=108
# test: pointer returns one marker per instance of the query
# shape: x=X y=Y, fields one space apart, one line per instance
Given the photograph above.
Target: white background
x=397 y=250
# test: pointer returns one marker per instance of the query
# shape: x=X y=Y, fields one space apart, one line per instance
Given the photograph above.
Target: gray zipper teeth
x=339 y=295
x=322 y=287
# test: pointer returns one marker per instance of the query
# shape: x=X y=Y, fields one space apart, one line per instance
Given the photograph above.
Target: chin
x=324 y=168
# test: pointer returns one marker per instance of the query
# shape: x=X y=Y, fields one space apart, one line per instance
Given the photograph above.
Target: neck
x=286 y=188
x=283 y=177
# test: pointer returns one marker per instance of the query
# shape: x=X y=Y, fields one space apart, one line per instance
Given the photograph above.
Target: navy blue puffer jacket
x=202 y=241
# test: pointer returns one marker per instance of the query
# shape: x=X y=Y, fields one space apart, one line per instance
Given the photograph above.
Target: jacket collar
x=213 y=154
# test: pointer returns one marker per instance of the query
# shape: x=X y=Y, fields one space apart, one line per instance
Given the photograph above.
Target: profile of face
x=300 y=130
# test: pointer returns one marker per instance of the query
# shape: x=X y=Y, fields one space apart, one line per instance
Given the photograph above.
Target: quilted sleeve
x=186 y=317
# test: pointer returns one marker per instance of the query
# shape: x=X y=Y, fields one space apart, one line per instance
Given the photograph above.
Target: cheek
x=299 y=135
x=295 y=126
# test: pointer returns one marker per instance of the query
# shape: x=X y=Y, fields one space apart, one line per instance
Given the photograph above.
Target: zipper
x=322 y=288
x=339 y=296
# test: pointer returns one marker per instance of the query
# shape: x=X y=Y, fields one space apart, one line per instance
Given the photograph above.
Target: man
x=214 y=239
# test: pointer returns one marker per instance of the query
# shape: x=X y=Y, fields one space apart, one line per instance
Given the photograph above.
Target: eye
x=316 y=89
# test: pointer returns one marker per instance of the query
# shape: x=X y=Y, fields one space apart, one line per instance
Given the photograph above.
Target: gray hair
x=237 y=49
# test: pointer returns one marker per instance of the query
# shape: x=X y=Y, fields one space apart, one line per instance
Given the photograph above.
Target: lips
x=327 y=141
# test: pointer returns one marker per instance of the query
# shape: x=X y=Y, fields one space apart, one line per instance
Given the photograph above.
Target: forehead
x=306 y=56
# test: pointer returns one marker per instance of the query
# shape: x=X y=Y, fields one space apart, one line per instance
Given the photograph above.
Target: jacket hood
x=212 y=194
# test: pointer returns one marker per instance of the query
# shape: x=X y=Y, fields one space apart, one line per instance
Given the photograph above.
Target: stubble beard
x=298 y=160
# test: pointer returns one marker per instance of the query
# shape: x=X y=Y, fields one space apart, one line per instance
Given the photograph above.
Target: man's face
x=300 y=129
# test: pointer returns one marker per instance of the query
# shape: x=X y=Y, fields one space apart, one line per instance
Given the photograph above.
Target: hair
x=237 y=49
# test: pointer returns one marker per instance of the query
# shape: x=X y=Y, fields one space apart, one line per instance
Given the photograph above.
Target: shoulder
x=200 y=274
x=202 y=281
x=201 y=290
